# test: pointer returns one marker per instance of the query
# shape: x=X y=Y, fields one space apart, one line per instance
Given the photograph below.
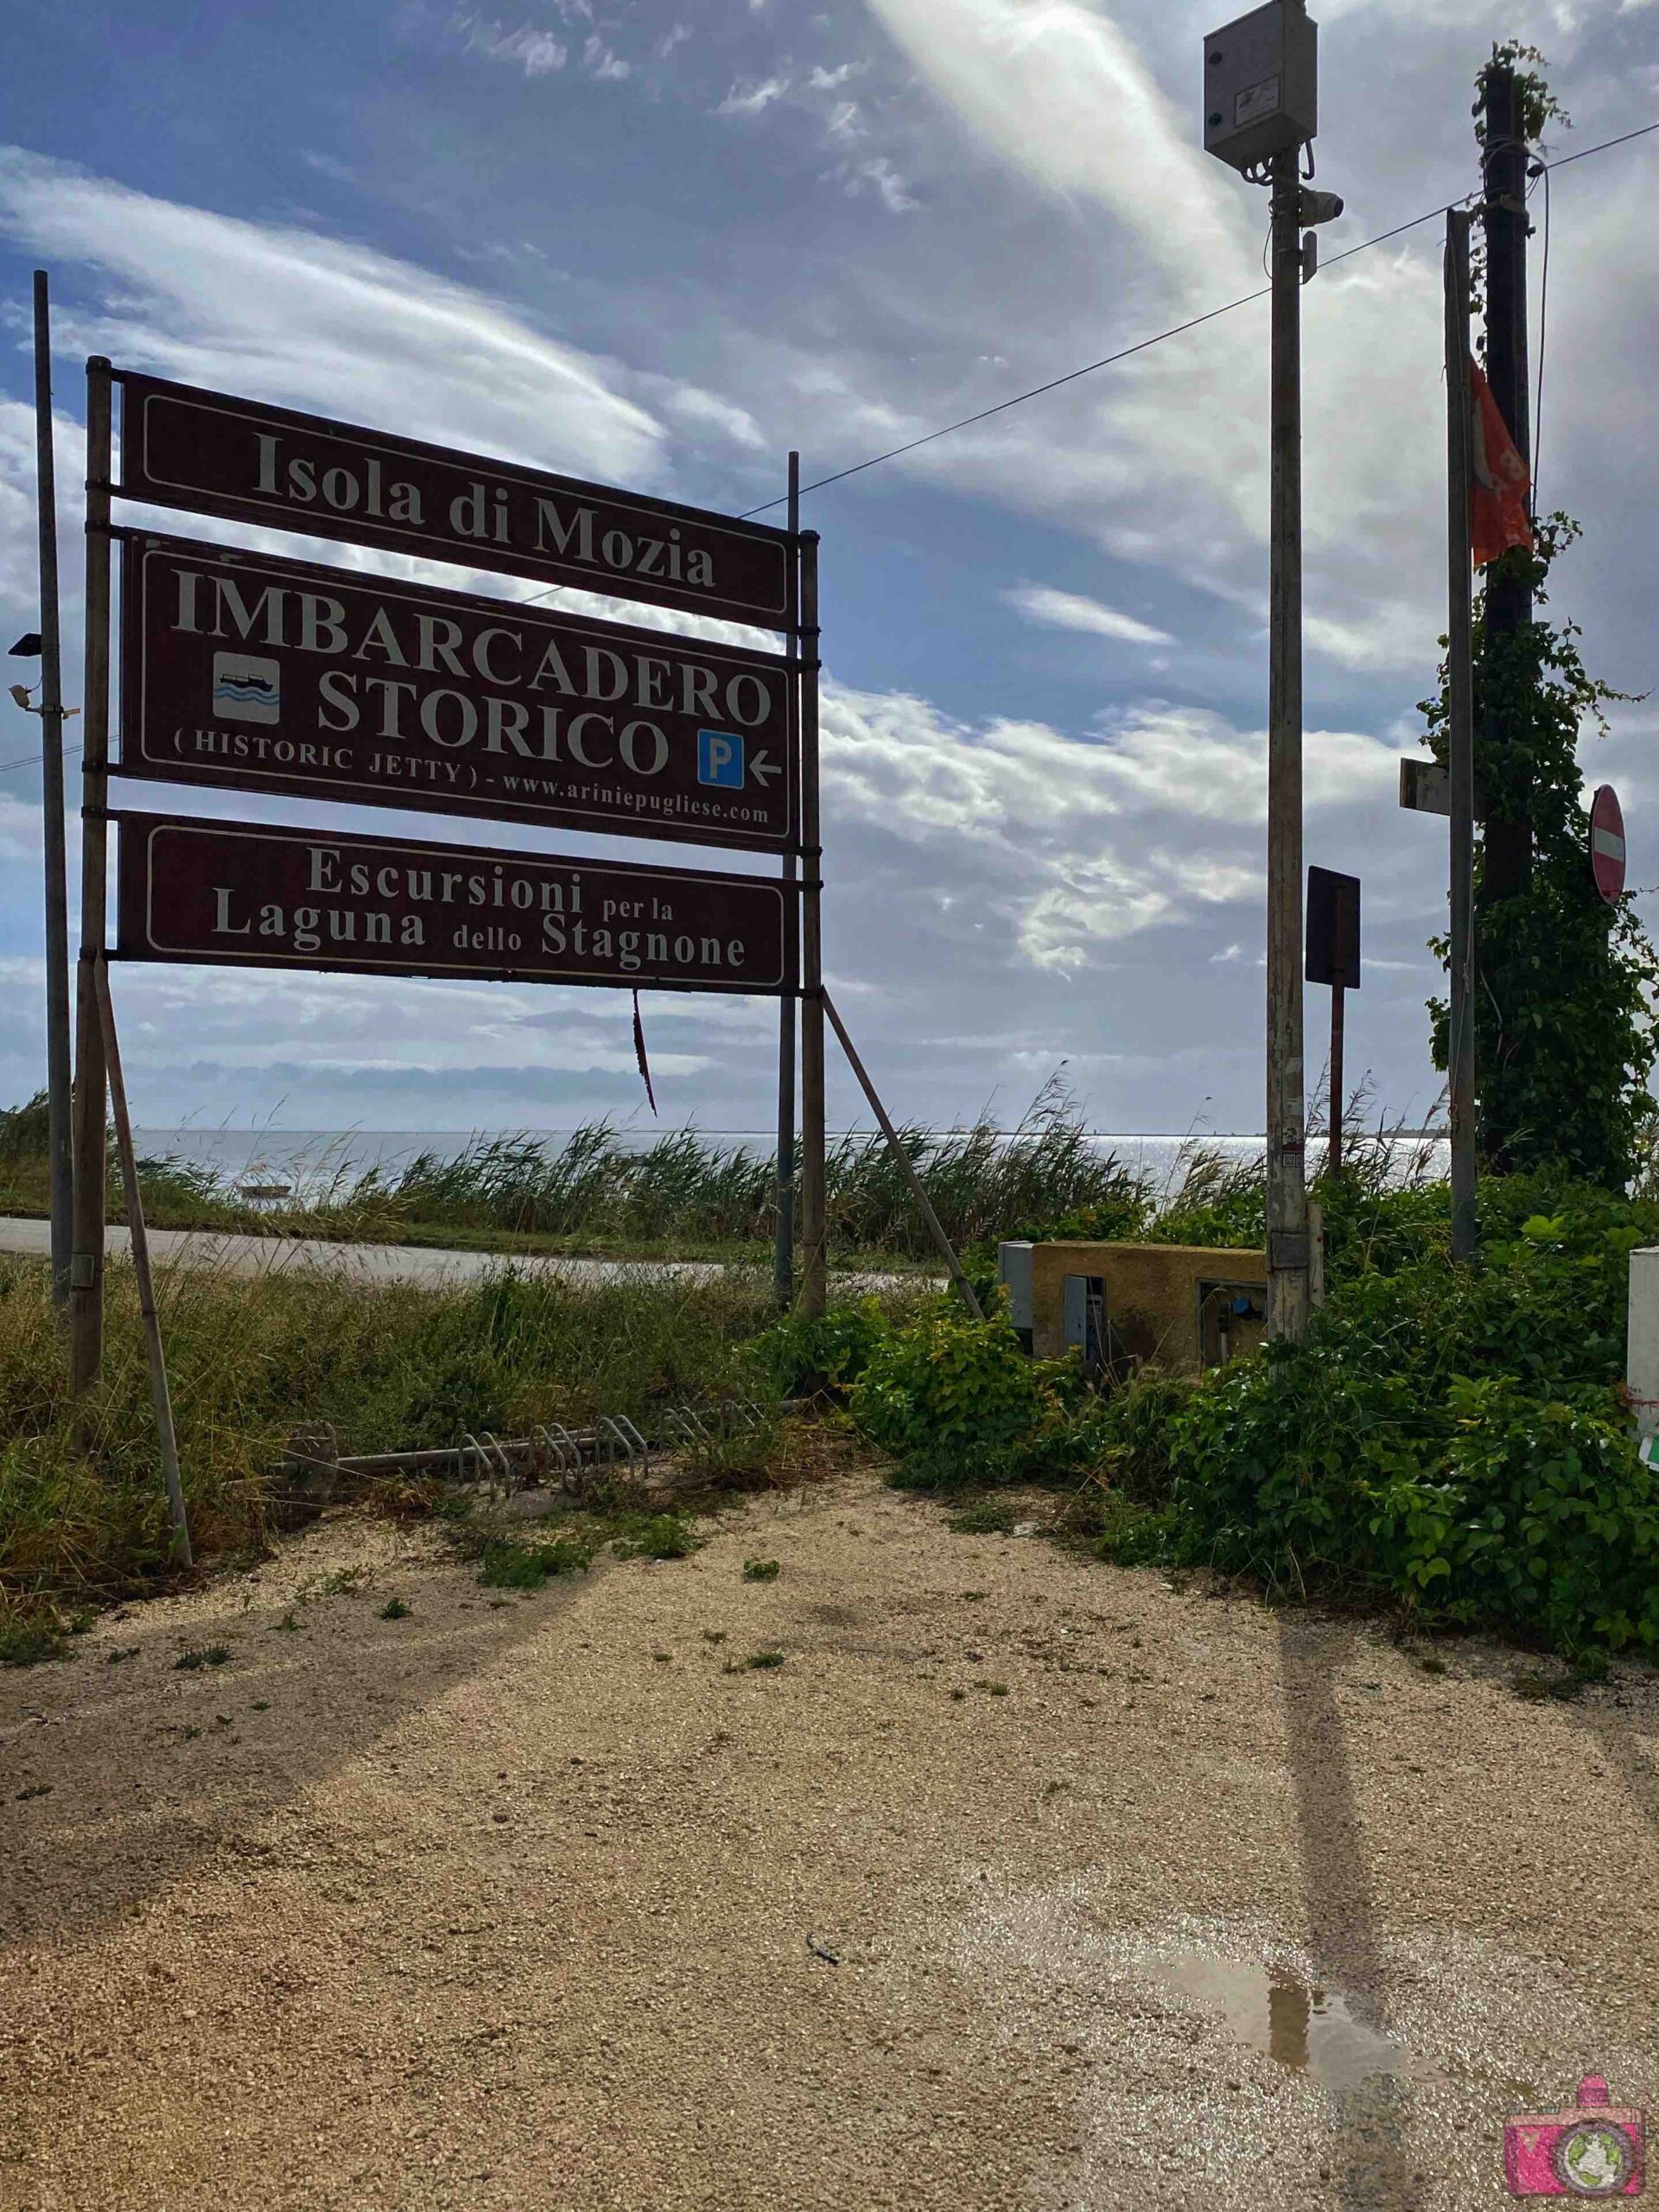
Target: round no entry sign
x=1607 y=843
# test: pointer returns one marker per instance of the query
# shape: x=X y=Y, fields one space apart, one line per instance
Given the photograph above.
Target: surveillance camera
x=1320 y=206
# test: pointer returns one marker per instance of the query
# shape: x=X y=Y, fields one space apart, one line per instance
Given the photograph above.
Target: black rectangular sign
x=229 y=895
x=215 y=454
x=1332 y=928
x=240 y=670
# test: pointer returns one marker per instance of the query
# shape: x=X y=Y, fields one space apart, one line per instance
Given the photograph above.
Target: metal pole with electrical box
x=1261 y=109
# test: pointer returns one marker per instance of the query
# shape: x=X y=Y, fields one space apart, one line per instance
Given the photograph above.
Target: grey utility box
x=1260 y=84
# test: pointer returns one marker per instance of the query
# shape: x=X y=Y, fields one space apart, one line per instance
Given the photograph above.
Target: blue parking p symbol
x=720 y=758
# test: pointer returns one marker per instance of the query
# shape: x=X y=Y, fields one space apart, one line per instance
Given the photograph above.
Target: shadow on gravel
x=1338 y=1905
x=122 y=1771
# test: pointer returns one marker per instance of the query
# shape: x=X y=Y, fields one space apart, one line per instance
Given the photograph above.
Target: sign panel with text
x=244 y=670
x=212 y=454
x=229 y=895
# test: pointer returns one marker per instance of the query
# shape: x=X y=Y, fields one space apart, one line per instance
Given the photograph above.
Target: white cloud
x=750 y=98
x=538 y=53
x=327 y=165
x=706 y=410
x=321 y=323
x=1058 y=91
x=19 y=825
x=600 y=62
x=878 y=174
x=1070 y=610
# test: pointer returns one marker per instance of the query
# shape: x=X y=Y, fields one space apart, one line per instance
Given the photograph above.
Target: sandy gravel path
x=512 y=1904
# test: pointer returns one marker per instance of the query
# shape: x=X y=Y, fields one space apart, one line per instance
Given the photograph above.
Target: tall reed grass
x=685 y=1189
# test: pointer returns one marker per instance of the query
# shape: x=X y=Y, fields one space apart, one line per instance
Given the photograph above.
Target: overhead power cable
x=1107 y=361
x=1176 y=330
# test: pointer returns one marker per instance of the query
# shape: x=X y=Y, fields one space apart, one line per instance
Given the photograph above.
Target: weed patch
x=504 y=1566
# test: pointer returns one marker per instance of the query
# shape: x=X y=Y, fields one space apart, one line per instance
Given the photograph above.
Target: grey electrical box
x=1260 y=84
x=1013 y=1264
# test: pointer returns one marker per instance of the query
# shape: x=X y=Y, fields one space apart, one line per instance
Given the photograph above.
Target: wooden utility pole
x=1287 y=1243
x=1460 y=743
x=1506 y=870
x=58 y=1110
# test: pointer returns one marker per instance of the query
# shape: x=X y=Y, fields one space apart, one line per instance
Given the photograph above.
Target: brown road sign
x=232 y=895
x=215 y=454
x=241 y=670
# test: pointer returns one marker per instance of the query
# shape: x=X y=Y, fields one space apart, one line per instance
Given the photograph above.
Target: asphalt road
x=253 y=1256
x=417 y=1264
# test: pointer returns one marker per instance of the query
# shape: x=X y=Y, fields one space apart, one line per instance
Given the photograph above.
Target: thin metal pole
x=1333 y=1156
x=784 y=1239
x=158 y=1388
x=1460 y=740
x=814 y=1231
x=58 y=1111
x=1288 y=1249
x=935 y=1227
x=86 y=1258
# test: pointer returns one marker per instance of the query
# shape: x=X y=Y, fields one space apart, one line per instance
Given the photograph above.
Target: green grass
x=392 y=1367
x=760 y=1570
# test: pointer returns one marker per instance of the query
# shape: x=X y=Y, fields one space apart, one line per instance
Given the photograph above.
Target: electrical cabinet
x=1260 y=84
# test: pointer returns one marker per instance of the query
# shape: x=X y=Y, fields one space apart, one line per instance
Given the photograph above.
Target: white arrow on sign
x=763 y=768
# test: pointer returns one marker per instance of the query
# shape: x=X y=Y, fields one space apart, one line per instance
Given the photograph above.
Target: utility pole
x=1507 y=863
x=1460 y=747
x=60 y=1156
x=1261 y=110
x=1287 y=1249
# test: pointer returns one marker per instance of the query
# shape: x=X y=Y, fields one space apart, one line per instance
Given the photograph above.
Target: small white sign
x=247 y=688
x=1257 y=99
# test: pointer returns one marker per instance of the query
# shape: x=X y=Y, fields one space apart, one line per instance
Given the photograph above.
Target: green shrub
x=946 y=1381
x=828 y=1352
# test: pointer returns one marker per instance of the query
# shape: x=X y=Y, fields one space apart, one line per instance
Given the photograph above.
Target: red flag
x=1497 y=498
x=639 y=1053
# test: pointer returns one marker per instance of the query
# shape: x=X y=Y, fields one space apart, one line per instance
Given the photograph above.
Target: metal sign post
x=1460 y=742
x=783 y=1258
x=160 y=1395
x=58 y=1108
x=814 y=1228
x=1333 y=959
x=86 y=1256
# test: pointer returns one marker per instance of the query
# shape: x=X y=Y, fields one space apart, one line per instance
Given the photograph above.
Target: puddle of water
x=1307 y=2028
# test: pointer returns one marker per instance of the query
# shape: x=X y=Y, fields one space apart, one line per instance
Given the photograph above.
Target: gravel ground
x=525 y=1903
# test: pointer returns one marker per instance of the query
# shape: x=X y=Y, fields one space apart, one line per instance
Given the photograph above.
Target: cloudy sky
x=660 y=242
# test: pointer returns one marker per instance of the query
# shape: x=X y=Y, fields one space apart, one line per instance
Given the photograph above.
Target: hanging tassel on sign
x=639 y=1053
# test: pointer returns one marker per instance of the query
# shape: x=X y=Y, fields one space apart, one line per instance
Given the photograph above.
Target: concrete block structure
x=1180 y=1306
